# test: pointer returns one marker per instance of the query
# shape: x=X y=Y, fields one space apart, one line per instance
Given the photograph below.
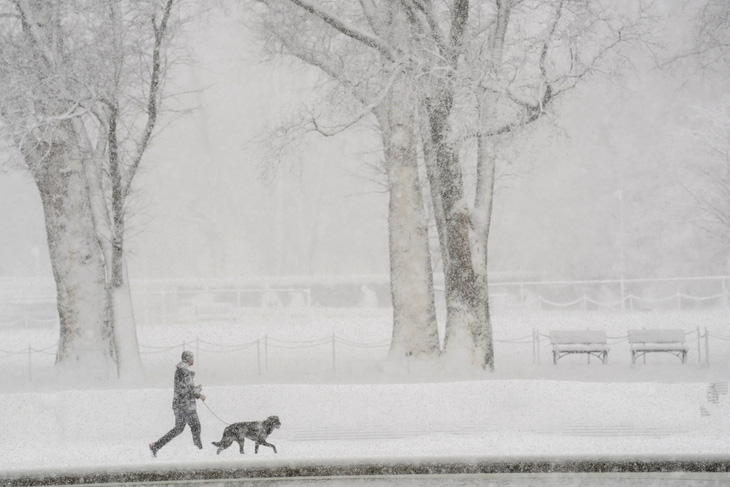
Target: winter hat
x=187 y=356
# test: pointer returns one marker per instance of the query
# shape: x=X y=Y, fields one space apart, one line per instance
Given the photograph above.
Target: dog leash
x=211 y=412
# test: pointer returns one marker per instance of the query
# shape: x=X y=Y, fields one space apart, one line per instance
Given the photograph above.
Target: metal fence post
x=699 y=350
x=707 y=347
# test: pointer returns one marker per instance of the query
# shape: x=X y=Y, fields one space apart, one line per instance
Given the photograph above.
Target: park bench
x=215 y=311
x=664 y=340
x=589 y=342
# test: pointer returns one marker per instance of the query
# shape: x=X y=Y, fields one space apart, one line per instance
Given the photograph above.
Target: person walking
x=183 y=404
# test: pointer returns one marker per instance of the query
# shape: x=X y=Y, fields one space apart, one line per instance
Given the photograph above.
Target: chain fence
x=31 y=301
x=268 y=354
x=29 y=304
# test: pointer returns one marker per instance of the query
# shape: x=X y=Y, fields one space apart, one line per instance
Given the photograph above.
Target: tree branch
x=431 y=23
x=365 y=111
x=354 y=33
x=153 y=95
x=459 y=19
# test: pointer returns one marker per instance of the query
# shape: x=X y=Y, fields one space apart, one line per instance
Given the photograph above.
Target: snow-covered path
x=102 y=429
x=376 y=415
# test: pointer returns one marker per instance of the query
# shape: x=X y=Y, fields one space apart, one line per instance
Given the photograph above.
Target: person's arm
x=195 y=390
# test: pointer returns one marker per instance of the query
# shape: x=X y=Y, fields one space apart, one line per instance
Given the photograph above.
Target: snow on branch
x=153 y=98
x=431 y=22
x=350 y=31
x=459 y=20
x=366 y=110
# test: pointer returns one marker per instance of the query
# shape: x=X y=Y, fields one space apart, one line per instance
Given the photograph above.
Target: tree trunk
x=484 y=202
x=467 y=338
x=119 y=297
x=486 y=174
x=86 y=339
x=429 y=158
x=129 y=362
x=414 y=314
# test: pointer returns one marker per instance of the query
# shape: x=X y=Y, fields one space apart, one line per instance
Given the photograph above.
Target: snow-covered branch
x=366 y=110
x=153 y=96
x=389 y=52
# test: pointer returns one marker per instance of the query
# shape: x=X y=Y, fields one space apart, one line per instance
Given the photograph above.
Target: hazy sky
x=202 y=209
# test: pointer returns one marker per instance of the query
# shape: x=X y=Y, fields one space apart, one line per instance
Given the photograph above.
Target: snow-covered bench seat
x=664 y=340
x=589 y=342
x=215 y=311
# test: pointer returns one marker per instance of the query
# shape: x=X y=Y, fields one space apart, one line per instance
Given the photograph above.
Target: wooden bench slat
x=657 y=336
x=659 y=347
x=581 y=347
x=589 y=342
x=669 y=340
x=578 y=336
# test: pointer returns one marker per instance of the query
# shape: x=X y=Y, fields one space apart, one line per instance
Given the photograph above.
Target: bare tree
x=704 y=171
x=474 y=71
x=83 y=83
x=499 y=66
x=711 y=43
x=362 y=48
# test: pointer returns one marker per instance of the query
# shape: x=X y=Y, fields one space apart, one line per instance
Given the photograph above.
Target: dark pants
x=182 y=417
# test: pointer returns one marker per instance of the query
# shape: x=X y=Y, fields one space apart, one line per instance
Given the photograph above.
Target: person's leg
x=194 y=422
x=179 y=427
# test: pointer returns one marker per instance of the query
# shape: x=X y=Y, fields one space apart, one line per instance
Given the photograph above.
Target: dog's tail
x=216 y=443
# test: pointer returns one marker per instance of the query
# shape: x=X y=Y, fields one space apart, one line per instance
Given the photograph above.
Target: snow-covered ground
x=361 y=408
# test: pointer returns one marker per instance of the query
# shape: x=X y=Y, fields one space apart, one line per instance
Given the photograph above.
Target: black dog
x=256 y=431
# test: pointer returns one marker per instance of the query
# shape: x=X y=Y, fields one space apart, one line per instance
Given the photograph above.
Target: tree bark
x=414 y=314
x=483 y=205
x=429 y=158
x=110 y=239
x=129 y=362
x=466 y=338
x=86 y=337
x=486 y=174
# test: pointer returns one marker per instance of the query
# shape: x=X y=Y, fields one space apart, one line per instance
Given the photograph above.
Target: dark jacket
x=186 y=392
